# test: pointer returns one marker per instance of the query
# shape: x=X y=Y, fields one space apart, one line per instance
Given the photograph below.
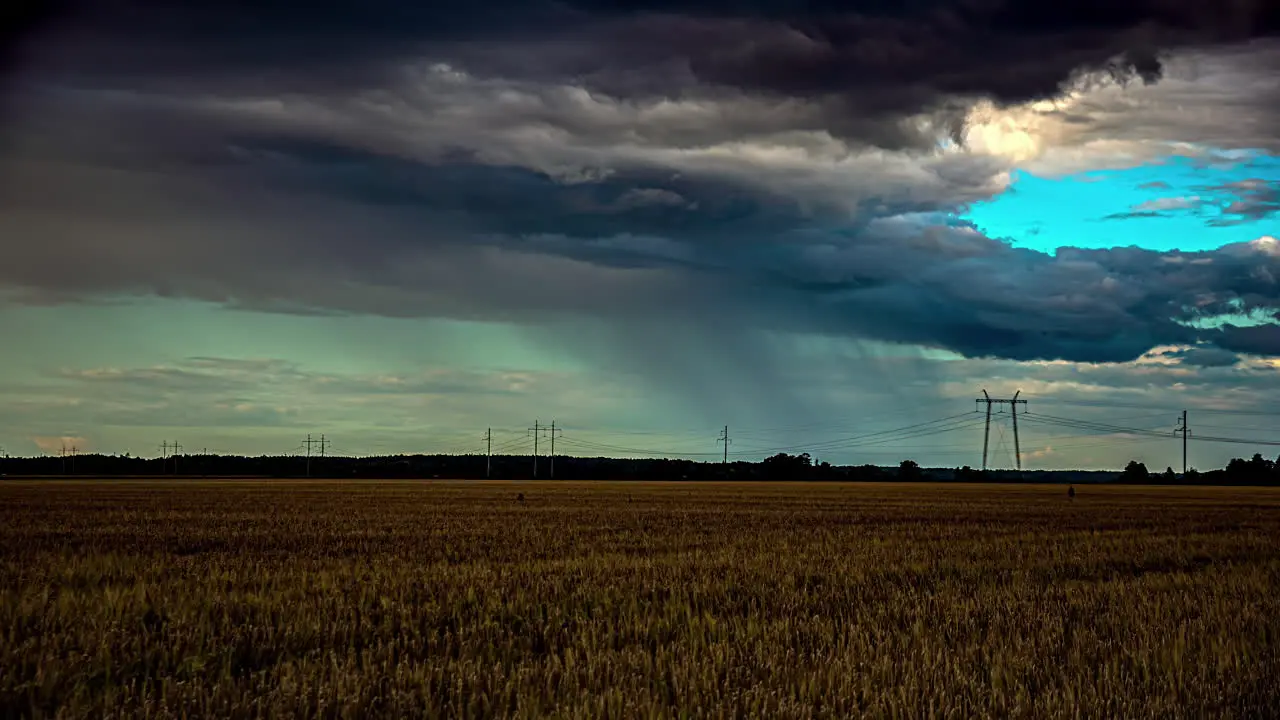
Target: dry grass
x=608 y=600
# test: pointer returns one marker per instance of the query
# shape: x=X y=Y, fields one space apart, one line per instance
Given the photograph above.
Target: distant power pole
x=69 y=452
x=1013 y=403
x=553 y=448
x=724 y=438
x=164 y=457
x=321 y=443
x=536 y=430
x=1184 y=430
x=176 y=449
x=488 y=454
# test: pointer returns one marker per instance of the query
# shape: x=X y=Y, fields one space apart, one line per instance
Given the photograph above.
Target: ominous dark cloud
x=736 y=167
x=1255 y=339
x=871 y=59
x=346 y=231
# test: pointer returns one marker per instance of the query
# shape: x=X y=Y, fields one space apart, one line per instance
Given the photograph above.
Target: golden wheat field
x=346 y=599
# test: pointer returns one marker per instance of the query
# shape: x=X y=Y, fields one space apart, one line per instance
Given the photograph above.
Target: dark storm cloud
x=1255 y=339
x=880 y=58
x=517 y=202
x=352 y=232
x=277 y=171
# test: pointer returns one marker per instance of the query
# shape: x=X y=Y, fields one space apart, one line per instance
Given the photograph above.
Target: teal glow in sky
x=1179 y=204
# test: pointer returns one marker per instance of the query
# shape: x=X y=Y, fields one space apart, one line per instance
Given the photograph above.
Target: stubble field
x=341 y=599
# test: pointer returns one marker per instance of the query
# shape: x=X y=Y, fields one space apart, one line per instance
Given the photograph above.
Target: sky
x=829 y=226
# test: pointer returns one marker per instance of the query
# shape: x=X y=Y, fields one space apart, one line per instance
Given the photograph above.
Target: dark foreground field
x=607 y=600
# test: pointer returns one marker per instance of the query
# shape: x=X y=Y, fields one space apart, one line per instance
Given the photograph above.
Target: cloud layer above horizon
x=713 y=172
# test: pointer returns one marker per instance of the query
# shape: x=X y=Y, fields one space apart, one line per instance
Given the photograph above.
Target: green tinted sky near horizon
x=381 y=398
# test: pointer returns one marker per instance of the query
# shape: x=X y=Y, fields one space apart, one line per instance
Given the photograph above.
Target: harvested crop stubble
x=344 y=599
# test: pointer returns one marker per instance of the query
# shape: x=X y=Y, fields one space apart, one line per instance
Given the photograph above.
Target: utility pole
x=1017 y=449
x=536 y=430
x=1184 y=430
x=176 y=448
x=724 y=438
x=986 y=433
x=488 y=454
x=1013 y=403
x=553 y=448
x=69 y=452
x=321 y=443
x=164 y=457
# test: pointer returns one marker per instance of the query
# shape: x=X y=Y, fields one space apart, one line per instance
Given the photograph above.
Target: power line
x=935 y=427
x=511 y=444
x=1108 y=428
x=1254 y=428
x=866 y=438
x=724 y=438
x=1136 y=406
x=917 y=430
x=1097 y=427
x=595 y=446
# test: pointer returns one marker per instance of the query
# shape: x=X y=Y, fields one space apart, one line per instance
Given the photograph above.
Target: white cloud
x=1207 y=104
x=1171 y=203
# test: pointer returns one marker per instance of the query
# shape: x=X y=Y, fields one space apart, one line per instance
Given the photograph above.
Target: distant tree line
x=783 y=466
x=1255 y=471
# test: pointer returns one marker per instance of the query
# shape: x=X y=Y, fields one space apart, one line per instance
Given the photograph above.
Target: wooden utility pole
x=553 y=448
x=488 y=455
x=1183 y=430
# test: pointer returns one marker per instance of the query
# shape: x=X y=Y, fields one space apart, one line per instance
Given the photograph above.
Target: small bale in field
x=520 y=497
x=1071 y=491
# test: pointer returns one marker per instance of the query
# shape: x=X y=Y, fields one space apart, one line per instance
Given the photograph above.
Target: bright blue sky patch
x=1179 y=204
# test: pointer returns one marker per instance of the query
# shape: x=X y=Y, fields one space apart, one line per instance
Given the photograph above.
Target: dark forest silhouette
x=1257 y=471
